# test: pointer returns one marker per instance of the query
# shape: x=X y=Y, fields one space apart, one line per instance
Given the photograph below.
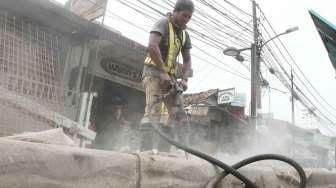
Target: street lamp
x=290 y=30
x=234 y=52
x=255 y=59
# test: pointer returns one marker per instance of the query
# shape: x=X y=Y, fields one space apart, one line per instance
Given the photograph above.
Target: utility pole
x=292 y=91
x=254 y=65
x=255 y=48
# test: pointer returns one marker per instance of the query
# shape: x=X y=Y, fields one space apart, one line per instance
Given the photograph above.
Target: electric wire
x=278 y=90
x=143 y=13
x=287 y=75
x=161 y=14
x=304 y=101
x=226 y=16
x=237 y=8
x=306 y=98
x=199 y=21
x=209 y=43
x=213 y=64
x=201 y=38
x=212 y=35
x=127 y=3
x=201 y=14
x=216 y=66
x=130 y=23
x=296 y=65
x=220 y=6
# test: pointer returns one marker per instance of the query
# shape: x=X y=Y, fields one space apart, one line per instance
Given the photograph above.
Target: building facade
x=31 y=69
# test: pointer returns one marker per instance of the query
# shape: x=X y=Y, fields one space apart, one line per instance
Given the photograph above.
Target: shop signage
x=121 y=70
x=226 y=96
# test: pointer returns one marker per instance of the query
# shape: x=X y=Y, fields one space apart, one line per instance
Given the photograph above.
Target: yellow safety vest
x=174 y=48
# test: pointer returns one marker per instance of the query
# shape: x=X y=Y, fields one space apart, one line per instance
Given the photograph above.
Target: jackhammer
x=175 y=127
x=176 y=89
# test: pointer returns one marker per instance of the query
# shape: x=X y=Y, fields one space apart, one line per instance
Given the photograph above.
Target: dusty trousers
x=153 y=112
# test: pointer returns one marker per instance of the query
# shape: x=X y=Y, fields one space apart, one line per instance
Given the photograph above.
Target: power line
x=202 y=36
x=298 y=77
x=226 y=16
x=303 y=102
x=226 y=70
x=288 y=77
x=201 y=21
x=292 y=59
x=233 y=14
x=237 y=8
x=220 y=25
x=306 y=98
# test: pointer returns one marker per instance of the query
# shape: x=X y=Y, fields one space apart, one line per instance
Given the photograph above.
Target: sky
x=304 y=45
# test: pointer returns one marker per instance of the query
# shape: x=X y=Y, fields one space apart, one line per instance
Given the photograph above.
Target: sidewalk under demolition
x=49 y=159
x=55 y=83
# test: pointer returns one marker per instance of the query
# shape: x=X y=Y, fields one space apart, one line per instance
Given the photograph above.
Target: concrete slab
x=29 y=164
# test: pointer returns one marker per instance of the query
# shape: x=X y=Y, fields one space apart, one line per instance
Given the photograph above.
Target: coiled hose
x=303 y=179
x=233 y=169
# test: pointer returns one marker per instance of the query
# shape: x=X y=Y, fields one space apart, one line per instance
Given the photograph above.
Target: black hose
x=208 y=158
x=233 y=169
x=303 y=178
x=227 y=169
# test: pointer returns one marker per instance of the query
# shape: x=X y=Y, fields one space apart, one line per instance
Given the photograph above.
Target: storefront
x=117 y=99
x=216 y=118
x=34 y=44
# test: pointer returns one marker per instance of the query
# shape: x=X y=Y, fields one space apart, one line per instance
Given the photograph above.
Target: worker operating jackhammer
x=173 y=127
x=167 y=39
